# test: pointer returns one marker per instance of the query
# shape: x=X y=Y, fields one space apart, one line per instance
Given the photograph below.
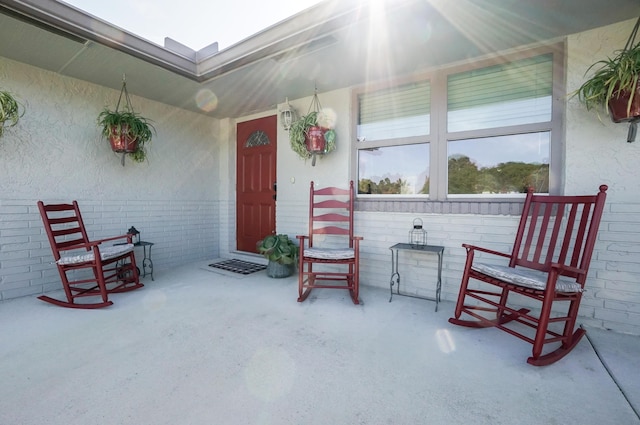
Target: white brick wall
x=182 y=232
x=612 y=299
x=418 y=271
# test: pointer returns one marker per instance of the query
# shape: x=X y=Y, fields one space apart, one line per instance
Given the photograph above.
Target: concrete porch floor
x=203 y=347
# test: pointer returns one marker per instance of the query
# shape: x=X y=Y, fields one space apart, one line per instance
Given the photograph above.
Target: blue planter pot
x=278 y=271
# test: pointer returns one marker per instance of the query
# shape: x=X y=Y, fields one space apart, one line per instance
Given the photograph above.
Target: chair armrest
x=356 y=242
x=301 y=239
x=565 y=268
x=93 y=244
x=127 y=236
x=488 y=251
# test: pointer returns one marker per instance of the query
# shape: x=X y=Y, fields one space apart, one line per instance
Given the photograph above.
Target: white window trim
x=439 y=136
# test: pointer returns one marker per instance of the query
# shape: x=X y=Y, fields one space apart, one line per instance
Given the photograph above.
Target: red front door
x=256 y=182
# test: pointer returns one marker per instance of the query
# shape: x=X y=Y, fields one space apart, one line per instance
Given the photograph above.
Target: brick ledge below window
x=493 y=207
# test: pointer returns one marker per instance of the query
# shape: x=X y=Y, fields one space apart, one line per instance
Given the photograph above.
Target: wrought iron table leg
x=146 y=262
x=395 y=276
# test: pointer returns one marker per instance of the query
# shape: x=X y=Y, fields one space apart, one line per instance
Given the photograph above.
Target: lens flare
x=445 y=341
x=270 y=373
x=154 y=300
x=206 y=100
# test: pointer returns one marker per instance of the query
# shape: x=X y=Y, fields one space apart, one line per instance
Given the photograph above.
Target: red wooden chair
x=332 y=252
x=87 y=268
x=548 y=264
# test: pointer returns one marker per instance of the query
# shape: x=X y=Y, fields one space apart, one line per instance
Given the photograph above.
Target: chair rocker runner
x=87 y=268
x=332 y=252
x=548 y=264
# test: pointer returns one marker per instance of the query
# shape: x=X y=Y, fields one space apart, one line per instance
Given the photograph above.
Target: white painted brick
x=628 y=307
x=617 y=318
x=626 y=207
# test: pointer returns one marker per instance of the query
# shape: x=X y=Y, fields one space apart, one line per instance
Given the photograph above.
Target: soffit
x=333 y=45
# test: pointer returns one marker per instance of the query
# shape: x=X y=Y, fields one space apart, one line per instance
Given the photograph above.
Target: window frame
x=440 y=136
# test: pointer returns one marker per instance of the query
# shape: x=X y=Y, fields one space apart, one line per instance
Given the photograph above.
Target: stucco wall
x=56 y=154
x=596 y=153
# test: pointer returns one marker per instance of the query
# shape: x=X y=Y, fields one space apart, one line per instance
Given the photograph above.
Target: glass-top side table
x=395 y=273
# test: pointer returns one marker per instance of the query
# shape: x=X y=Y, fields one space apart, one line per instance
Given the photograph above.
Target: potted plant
x=614 y=86
x=282 y=254
x=313 y=134
x=10 y=111
x=127 y=131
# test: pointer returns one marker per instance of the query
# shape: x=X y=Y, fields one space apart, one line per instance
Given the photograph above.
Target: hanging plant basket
x=625 y=107
x=121 y=141
x=126 y=130
x=314 y=140
x=312 y=134
x=614 y=87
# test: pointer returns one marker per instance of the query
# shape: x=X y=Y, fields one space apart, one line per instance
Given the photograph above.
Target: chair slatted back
x=64 y=226
x=558 y=229
x=331 y=212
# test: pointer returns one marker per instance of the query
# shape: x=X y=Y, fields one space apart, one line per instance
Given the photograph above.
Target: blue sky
x=193 y=23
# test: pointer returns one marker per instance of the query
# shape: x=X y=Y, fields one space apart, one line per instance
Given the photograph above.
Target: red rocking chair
x=331 y=244
x=548 y=264
x=87 y=268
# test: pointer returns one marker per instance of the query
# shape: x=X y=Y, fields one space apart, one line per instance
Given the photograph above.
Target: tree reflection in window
x=499 y=165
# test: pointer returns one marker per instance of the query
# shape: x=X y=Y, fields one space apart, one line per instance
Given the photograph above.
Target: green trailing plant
x=133 y=125
x=313 y=134
x=298 y=132
x=127 y=131
x=279 y=249
x=613 y=78
x=10 y=111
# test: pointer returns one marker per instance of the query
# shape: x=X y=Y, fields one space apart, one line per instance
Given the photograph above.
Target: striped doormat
x=238 y=266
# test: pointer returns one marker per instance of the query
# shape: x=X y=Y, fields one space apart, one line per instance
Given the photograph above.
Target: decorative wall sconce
x=417 y=235
x=287 y=115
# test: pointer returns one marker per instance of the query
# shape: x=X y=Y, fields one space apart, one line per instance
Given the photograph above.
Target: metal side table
x=395 y=273
x=146 y=260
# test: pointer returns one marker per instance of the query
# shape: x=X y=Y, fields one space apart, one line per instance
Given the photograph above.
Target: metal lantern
x=136 y=235
x=417 y=235
x=287 y=115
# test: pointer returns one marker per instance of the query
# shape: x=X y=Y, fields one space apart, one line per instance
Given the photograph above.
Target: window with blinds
x=477 y=130
x=509 y=94
x=395 y=113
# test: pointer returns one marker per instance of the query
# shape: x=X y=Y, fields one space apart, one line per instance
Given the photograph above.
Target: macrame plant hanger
x=314 y=107
x=127 y=105
x=633 y=125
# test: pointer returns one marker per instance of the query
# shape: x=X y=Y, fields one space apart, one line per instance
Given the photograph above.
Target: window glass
x=472 y=130
x=503 y=95
x=394 y=113
x=499 y=165
x=397 y=170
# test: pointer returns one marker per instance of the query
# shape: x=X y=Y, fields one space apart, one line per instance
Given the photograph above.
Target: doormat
x=238 y=266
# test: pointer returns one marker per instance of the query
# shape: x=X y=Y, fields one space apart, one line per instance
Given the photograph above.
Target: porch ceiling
x=333 y=45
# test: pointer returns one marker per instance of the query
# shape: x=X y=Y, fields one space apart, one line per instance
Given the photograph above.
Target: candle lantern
x=417 y=235
x=136 y=235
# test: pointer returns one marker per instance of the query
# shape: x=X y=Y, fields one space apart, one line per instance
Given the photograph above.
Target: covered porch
x=202 y=346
